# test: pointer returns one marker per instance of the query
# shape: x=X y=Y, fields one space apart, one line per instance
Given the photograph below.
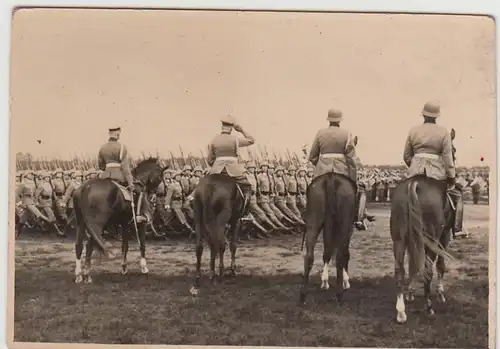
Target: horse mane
x=149 y=161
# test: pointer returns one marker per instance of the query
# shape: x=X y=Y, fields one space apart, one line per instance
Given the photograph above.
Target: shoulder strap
x=121 y=152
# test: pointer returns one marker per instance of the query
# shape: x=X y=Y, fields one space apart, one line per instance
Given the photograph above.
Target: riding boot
x=247 y=193
x=58 y=231
x=459 y=214
x=270 y=223
x=361 y=207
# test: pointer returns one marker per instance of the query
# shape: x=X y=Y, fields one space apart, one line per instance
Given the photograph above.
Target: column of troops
x=44 y=198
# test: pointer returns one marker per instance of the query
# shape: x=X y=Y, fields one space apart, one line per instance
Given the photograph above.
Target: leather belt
x=264 y=193
x=292 y=193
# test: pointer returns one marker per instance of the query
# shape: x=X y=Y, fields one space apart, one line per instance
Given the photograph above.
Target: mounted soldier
x=421 y=211
x=223 y=154
x=331 y=202
x=114 y=161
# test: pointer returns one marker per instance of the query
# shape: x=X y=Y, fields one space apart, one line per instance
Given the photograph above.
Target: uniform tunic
x=59 y=190
x=254 y=208
x=428 y=150
x=223 y=155
x=280 y=198
x=263 y=196
x=174 y=199
x=43 y=195
x=73 y=187
x=333 y=150
x=114 y=162
x=302 y=190
x=292 y=194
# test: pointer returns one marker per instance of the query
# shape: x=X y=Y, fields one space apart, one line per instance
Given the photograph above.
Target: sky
x=166 y=77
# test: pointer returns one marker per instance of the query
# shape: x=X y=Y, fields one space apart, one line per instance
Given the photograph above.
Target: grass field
x=259 y=306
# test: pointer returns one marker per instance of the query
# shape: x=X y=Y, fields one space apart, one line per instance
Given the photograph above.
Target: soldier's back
x=332 y=139
x=110 y=151
x=427 y=138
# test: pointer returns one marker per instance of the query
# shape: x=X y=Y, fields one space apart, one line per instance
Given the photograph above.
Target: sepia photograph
x=252 y=178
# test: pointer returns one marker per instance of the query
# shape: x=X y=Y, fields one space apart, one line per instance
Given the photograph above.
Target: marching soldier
x=114 y=161
x=174 y=201
x=223 y=156
x=272 y=196
x=281 y=196
x=302 y=189
x=254 y=209
x=263 y=195
x=429 y=150
x=59 y=187
x=27 y=193
x=44 y=195
x=292 y=192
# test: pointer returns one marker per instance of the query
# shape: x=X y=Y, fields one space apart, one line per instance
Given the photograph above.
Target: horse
x=100 y=203
x=331 y=207
x=218 y=206
x=420 y=222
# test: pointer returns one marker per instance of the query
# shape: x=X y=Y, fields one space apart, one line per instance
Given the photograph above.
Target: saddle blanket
x=126 y=193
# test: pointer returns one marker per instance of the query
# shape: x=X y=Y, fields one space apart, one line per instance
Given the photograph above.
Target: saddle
x=125 y=192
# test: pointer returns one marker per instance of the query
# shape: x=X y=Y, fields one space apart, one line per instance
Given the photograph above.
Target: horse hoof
x=346 y=285
x=144 y=270
x=401 y=318
x=194 y=291
x=431 y=312
x=124 y=271
x=325 y=285
x=78 y=279
x=88 y=280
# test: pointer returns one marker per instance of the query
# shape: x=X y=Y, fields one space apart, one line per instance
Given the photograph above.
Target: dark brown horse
x=421 y=220
x=99 y=203
x=218 y=206
x=331 y=207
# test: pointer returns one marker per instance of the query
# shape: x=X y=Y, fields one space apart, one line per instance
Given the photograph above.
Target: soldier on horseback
x=333 y=149
x=429 y=150
x=114 y=161
x=223 y=156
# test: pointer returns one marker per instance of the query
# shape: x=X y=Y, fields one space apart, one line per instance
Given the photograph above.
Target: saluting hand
x=238 y=128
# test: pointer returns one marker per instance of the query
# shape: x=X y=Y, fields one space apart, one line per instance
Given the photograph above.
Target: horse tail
x=415 y=242
x=82 y=209
x=331 y=187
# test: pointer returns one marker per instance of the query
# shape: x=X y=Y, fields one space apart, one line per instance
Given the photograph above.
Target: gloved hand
x=450 y=182
x=237 y=128
x=167 y=207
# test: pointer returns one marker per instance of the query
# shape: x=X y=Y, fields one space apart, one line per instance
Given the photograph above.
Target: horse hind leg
x=327 y=256
x=88 y=261
x=233 y=246
x=80 y=234
x=428 y=274
x=125 y=247
x=399 y=274
x=195 y=289
x=311 y=237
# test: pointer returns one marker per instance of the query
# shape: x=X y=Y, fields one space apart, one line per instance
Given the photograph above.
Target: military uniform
x=43 y=197
x=59 y=187
x=428 y=148
x=429 y=151
x=114 y=162
x=302 y=189
x=292 y=191
x=187 y=190
x=281 y=194
x=223 y=154
x=263 y=194
x=26 y=192
x=175 y=200
x=333 y=149
x=254 y=208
